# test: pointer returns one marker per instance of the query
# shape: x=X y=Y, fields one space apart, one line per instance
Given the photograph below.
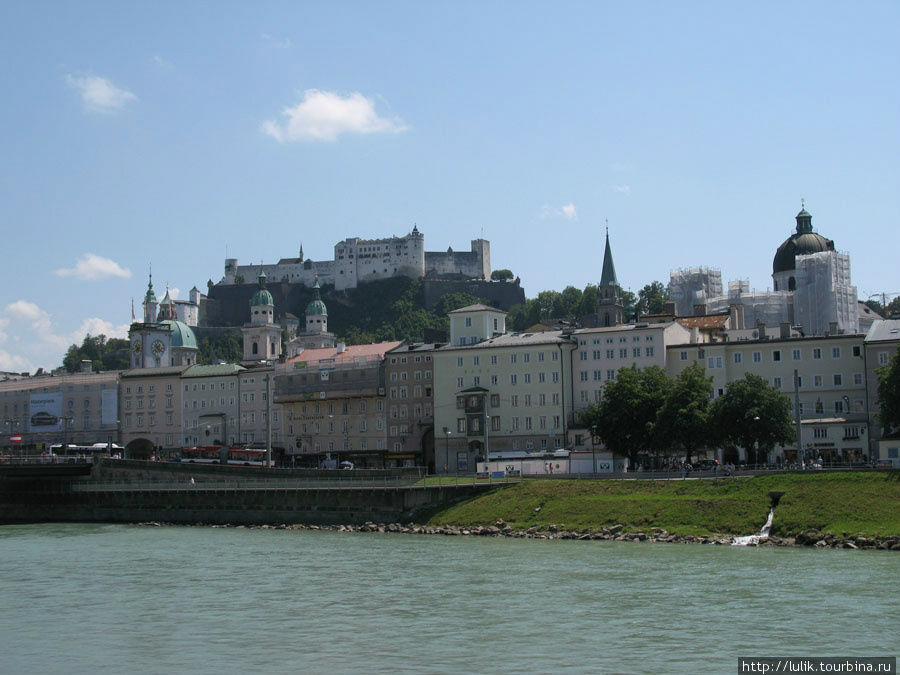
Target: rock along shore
x=812 y=538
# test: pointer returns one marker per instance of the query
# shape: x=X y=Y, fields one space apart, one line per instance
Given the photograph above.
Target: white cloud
x=99 y=94
x=33 y=341
x=96 y=326
x=624 y=189
x=161 y=62
x=567 y=211
x=325 y=115
x=91 y=267
x=280 y=43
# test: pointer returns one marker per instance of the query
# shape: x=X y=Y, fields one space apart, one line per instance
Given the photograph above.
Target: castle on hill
x=359 y=261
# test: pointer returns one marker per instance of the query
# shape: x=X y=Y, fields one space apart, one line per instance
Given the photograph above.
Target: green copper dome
x=316 y=307
x=262 y=296
x=182 y=335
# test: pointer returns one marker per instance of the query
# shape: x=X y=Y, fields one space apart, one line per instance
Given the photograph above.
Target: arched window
x=255 y=348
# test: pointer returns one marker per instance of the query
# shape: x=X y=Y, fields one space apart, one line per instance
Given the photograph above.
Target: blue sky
x=168 y=133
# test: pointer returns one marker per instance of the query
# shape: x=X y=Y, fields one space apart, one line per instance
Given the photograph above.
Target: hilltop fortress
x=358 y=261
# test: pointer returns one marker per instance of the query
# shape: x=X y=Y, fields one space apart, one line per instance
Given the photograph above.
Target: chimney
x=785 y=330
x=341 y=347
x=737 y=316
x=670 y=307
x=832 y=328
x=761 y=330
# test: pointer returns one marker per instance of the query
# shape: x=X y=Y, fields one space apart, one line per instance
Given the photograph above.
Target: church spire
x=608 y=275
x=610 y=309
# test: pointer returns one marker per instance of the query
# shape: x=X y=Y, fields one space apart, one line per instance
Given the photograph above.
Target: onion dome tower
x=262 y=336
x=803 y=242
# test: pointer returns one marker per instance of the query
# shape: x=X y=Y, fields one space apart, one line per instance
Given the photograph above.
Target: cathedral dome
x=262 y=295
x=182 y=335
x=316 y=307
x=804 y=241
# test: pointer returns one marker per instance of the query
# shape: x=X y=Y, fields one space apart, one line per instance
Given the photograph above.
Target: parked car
x=705 y=465
x=44 y=419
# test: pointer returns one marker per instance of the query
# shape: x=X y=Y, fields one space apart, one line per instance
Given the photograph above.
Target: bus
x=71 y=449
x=220 y=454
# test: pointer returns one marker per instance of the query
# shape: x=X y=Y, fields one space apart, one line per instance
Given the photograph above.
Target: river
x=80 y=598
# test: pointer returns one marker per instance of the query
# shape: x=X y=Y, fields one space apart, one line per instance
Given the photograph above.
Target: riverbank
x=816 y=506
x=825 y=510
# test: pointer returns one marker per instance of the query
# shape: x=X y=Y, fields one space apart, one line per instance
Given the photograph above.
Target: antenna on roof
x=802 y=203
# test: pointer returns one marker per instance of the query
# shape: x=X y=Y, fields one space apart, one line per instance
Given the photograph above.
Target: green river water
x=123 y=599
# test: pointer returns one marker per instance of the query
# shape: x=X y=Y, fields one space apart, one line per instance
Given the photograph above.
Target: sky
x=173 y=135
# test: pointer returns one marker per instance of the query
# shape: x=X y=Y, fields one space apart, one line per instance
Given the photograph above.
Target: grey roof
x=153 y=372
x=886 y=330
x=516 y=340
x=476 y=308
x=218 y=370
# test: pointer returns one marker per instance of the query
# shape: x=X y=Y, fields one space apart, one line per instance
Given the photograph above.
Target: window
x=883 y=358
x=857 y=379
x=493 y=359
x=514 y=401
x=776 y=382
x=459 y=383
x=527 y=378
x=817 y=354
x=636 y=352
x=468 y=322
x=649 y=351
x=838 y=380
x=459 y=362
x=839 y=406
x=495 y=400
x=540 y=356
x=757 y=357
x=835 y=352
x=795 y=354
x=857 y=351
x=512 y=379
x=776 y=355
x=818 y=380
x=623 y=353
x=738 y=358
x=476 y=361
x=582 y=355
x=584 y=376
x=526 y=357
x=820 y=432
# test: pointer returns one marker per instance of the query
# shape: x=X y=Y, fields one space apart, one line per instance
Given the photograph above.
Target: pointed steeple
x=608 y=275
x=301 y=252
x=610 y=309
x=804 y=220
x=150 y=302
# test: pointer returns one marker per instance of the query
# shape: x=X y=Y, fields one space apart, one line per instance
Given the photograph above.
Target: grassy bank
x=865 y=503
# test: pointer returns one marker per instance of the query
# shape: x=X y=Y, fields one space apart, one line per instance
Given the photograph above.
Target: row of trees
x=644 y=412
x=576 y=304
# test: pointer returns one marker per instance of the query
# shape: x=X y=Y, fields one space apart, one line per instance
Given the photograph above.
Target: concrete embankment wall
x=142 y=492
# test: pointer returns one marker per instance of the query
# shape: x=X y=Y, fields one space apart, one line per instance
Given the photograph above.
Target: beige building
x=256 y=386
x=333 y=403
x=831 y=385
x=150 y=406
x=211 y=405
x=77 y=408
x=881 y=344
x=602 y=352
x=409 y=386
x=499 y=394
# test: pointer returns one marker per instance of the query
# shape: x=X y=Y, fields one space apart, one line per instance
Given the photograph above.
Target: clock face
x=137 y=347
x=158 y=347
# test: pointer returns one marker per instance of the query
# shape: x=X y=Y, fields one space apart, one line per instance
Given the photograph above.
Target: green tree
x=103 y=353
x=450 y=301
x=889 y=393
x=588 y=304
x=683 y=420
x=754 y=416
x=228 y=348
x=501 y=275
x=626 y=413
x=652 y=298
x=629 y=302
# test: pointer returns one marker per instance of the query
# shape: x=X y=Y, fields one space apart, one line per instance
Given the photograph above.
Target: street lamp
x=755 y=433
x=446 y=450
x=593 y=447
x=487 y=445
